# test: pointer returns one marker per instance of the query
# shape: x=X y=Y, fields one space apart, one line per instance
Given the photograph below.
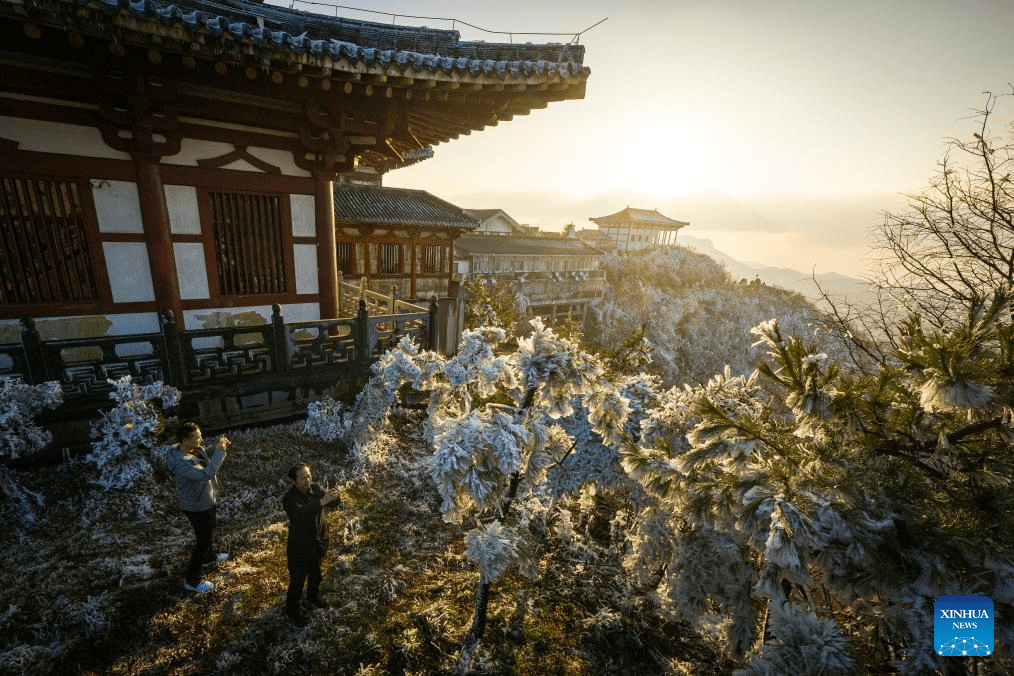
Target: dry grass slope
x=94 y=586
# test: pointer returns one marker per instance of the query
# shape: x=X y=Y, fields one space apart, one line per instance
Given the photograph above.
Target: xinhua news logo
x=963 y=626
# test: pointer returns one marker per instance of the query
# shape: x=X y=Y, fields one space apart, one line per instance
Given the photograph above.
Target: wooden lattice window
x=390 y=259
x=43 y=257
x=346 y=253
x=433 y=259
x=249 y=243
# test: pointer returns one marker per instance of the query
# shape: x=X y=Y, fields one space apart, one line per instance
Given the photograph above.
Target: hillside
x=697 y=317
x=621 y=574
x=104 y=568
x=92 y=586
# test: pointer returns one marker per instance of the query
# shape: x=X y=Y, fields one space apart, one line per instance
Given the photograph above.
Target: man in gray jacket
x=197 y=487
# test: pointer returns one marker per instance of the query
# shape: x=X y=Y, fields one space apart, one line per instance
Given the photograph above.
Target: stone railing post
x=176 y=369
x=431 y=333
x=341 y=294
x=364 y=347
x=36 y=358
x=279 y=341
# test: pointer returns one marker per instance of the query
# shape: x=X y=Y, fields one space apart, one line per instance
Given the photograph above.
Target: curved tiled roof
x=483 y=214
x=524 y=246
x=373 y=205
x=641 y=217
x=352 y=93
x=400 y=47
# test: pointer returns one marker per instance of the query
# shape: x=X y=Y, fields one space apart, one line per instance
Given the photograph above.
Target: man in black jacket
x=308 y=541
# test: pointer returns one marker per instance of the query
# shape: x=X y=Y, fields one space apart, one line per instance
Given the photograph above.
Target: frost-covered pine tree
x=492 y=421
x=849 y=494
x=494 y=305
x=847 y=502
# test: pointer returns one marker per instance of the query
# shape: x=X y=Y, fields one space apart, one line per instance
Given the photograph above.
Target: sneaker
x=298 y=621
x=200 y=588
x=220 y=558
x=318 y=603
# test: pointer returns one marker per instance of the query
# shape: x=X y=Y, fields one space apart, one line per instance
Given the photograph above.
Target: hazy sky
x=726 y=114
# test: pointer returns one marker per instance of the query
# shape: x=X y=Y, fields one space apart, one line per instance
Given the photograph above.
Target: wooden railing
x=204 y=363
x=349 y=295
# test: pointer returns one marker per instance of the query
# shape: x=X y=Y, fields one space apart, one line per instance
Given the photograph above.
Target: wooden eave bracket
x=240 y=153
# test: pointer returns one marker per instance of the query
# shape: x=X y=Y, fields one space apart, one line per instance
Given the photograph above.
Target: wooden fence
x=228 y=376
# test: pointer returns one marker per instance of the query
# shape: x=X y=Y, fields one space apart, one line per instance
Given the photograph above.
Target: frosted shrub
x=19 y=402
x=331 y=420
x=88 y=617
x=493 y=547
x=128 y=438
x=20 y=436
x=328 y=419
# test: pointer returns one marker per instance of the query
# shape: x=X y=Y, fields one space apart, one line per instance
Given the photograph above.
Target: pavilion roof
x=395 y=91
x=376 y=205
x=641 y=218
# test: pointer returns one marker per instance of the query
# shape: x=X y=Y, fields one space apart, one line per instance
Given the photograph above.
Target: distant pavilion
x=636 y=229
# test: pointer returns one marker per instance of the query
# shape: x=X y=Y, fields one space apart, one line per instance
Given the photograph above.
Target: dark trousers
x=302 y=571
x=204 y=551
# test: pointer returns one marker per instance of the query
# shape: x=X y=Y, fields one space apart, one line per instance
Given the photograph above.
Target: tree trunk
x=478 y=627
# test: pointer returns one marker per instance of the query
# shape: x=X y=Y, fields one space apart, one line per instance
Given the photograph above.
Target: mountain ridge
x=835 y=283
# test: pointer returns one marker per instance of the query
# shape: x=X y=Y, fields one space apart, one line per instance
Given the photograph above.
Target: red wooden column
x=327 y=256
x=157 y=236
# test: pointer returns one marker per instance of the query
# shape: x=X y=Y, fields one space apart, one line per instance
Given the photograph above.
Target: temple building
x=398 y=240
x=552 y=274
x=494 y=222
x=170 y=172
x=636 y=229
x=182 y=156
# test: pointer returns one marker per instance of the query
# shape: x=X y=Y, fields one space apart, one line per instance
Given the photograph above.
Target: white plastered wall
x=117 y=206
x=54 y=137
x=302 y=211
x=185 y=219
x=192 y=150
x=129 y=271
x=118 y=211
x=248 y=316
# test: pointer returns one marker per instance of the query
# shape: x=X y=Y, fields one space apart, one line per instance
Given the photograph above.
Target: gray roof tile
x=375 y=205
x=364 y=42
x=525 y=246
